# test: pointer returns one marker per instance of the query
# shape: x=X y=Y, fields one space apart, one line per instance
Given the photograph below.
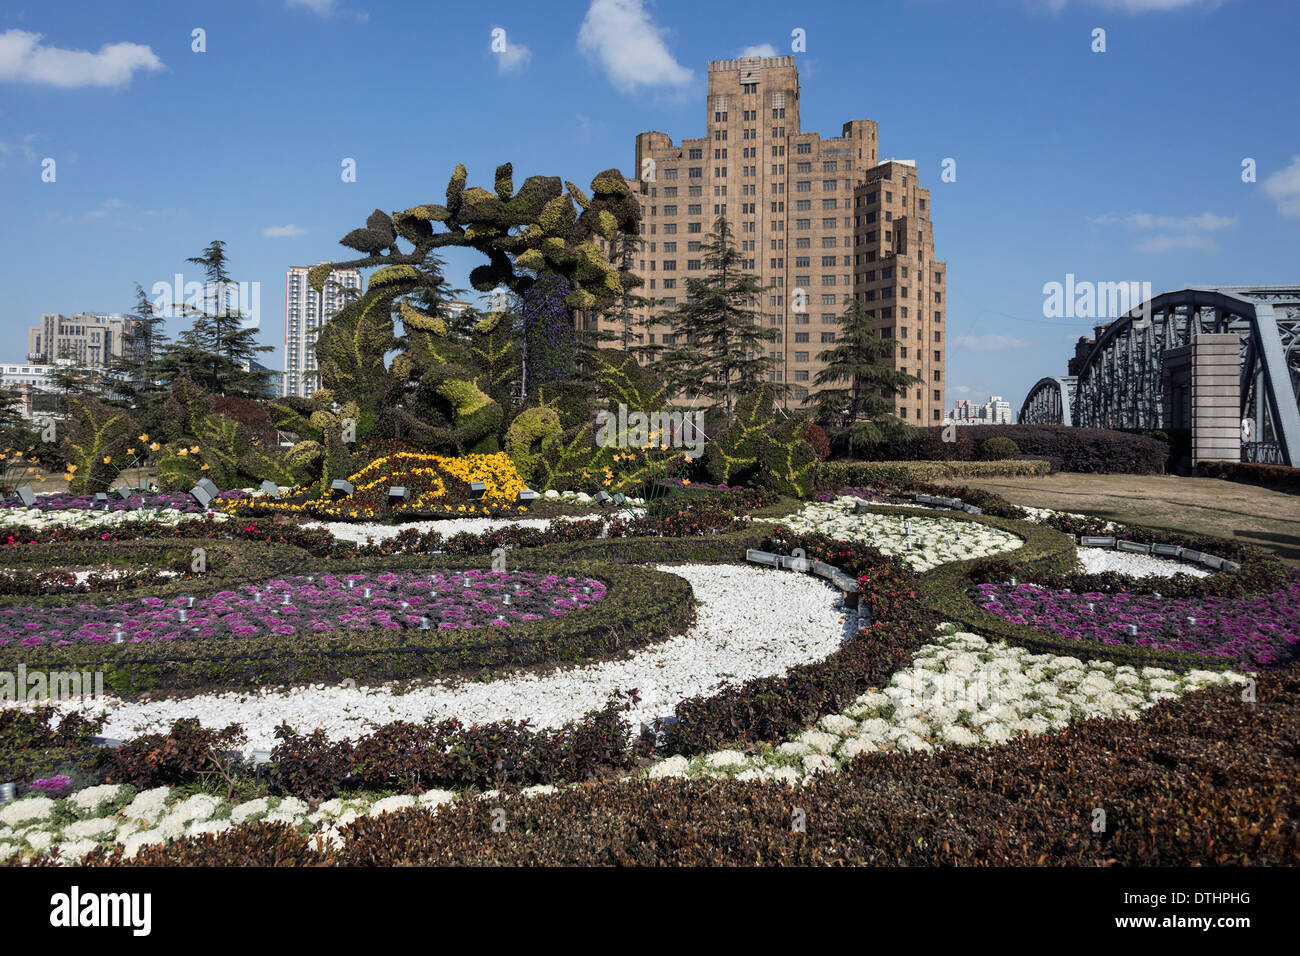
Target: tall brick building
x=817 y=220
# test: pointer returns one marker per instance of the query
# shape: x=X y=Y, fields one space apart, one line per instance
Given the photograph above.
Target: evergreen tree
x=859 y=380
x=217 y=347
x=719 y=348
x=136 y=371
x=71 y=377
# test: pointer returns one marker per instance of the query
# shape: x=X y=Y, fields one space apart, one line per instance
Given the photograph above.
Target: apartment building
x=88 y=339
x=817 y=220
x=305 y=312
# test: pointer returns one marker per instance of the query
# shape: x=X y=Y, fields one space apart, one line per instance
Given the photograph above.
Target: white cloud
x=324 y=8
x=762 y=49
x=513 y=58
x=989 y=343
x=1128 y=6
x=283 y=232
x=1172 y=233
x=621 y=37
x=1188 y=242
x=1283 y=187
x=22 y=145
x=24 y=59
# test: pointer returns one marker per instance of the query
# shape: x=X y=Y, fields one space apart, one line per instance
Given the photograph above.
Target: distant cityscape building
x=993 y=412
x=817 y=220
x=89 y=339
x=31 y=383
x=305 y=312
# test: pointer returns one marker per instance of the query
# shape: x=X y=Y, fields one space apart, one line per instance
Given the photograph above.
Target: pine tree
x=719 y=347
x=859 y=379
x=136 y=371
x=217 y=347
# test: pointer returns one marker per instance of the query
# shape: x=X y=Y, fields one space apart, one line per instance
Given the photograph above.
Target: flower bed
x=960 y=690
x=646 y=606
x=923 y=542
x=1262 y=631
x=435 y=484
x=359 y=602
x=162 y=569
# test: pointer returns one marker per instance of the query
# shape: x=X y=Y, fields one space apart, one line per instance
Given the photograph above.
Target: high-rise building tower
x=89 y=339
x=818 y=220
x=305 y=312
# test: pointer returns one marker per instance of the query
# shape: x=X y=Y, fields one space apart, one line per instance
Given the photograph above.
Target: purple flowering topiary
x=550 y=337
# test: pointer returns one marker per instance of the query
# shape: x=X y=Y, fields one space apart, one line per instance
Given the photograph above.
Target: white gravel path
x=751 y=623
x=1100 y=560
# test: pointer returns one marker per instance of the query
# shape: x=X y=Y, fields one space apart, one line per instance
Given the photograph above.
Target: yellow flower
x=107 y=459
x=130 y=451
x=203 y=468
x=194 y=449
x=68 y=476
x=72 y=468
x=144 y=437
x=183 y=452
x=154 y=447
x=686 y=481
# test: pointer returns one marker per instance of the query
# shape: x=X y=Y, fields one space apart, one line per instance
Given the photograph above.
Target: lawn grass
x=1247 y=513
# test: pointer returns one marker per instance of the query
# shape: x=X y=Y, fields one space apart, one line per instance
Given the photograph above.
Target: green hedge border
x=642 y=606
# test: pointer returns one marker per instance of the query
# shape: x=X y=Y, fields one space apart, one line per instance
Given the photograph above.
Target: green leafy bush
x=998 y=449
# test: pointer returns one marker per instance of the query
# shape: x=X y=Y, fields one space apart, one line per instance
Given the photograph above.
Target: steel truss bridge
x=1119 y=384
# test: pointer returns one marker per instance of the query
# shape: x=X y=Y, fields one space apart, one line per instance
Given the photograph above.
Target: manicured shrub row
x=894 y=474
x=227 y=564
x=1275 y=476
x=1095 y=450
x=414 y=758
x=1205 y=780
x=642 y=606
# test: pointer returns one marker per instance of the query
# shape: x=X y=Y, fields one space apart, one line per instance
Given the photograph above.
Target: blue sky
x=1123 y=165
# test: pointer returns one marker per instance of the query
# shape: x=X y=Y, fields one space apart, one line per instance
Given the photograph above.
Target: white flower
x=793 y=748
x=198 y=807
x=213 y=827
x=29 y=808
x=671 y=767
x=86 y=829
x=390 y=804
x=725 y=758
x=837 y=724
x=819 y=763
x=818 y=741
x=72 y=851
x=436 y=798
x=92 y=798
x=250 y=810
x=856 y=745
x=539 y=790
x=148 y=805
x=38 y=839
x=953 y=734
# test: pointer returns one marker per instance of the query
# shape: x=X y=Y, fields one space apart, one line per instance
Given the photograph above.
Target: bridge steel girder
x=1119 y=384
x=1049 y=402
